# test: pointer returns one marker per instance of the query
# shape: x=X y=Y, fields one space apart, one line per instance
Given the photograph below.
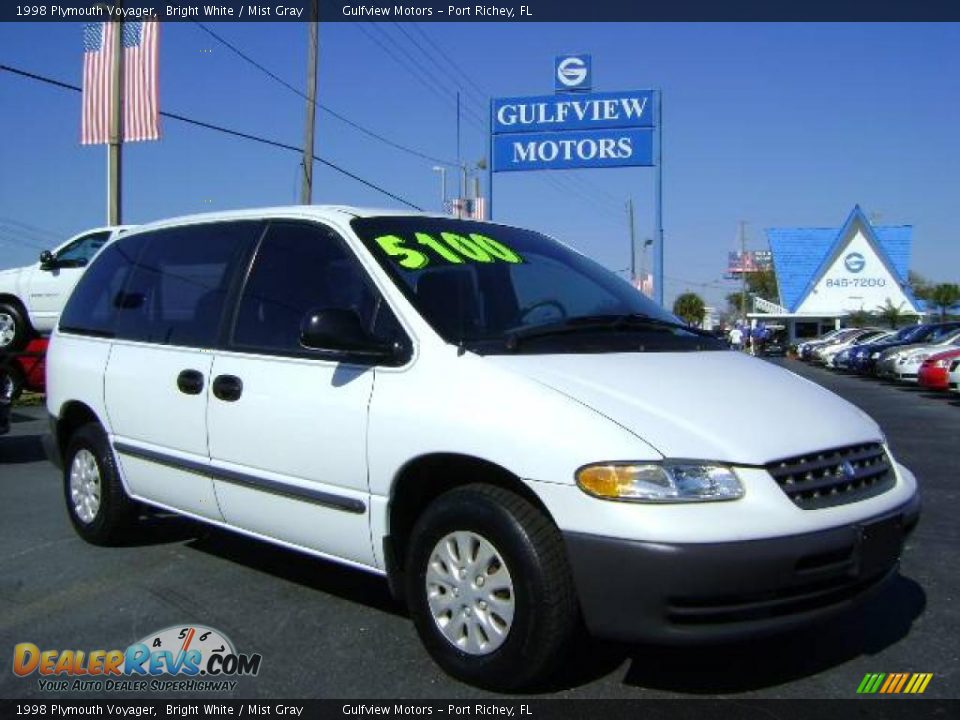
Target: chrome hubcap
x=85 y=486
x=470 y=592
x=8 y=329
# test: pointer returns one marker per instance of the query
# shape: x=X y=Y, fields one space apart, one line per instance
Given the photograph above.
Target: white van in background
x=32 y=297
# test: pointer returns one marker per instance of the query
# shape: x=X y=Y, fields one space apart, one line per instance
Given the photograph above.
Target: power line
x=10 y=235
x=412 y=66
x=465 y=93
x=235 y=133
x=439 y=50
x=328 y=110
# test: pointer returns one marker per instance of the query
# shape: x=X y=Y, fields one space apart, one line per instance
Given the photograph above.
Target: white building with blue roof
x=824 y=274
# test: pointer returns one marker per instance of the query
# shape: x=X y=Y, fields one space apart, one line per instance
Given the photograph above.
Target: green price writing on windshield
x=451 y=247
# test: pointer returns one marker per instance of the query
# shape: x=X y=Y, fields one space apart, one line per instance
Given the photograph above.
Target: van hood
x=703 y=405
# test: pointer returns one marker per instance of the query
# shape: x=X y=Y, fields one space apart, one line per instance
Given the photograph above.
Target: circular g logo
x=854 y=262
x=572 y=72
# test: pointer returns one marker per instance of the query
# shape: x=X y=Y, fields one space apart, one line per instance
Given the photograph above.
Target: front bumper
x=692 y=593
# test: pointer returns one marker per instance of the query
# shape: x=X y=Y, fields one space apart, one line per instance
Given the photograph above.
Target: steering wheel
x=555 y=304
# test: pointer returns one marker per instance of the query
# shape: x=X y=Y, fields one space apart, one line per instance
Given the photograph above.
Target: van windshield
x=497 y=289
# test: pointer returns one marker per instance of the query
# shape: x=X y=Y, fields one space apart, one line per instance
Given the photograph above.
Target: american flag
x=140 y=103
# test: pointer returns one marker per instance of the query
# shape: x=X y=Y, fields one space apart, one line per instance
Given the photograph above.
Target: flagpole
x=115 y=146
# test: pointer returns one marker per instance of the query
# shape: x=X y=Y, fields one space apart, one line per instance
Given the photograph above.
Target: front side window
x=498 y=289
x=301 y=268
x=177 y=290
x=81 y=251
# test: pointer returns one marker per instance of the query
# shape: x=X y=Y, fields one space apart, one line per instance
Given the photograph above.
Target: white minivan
x=32 y=297
x=513 y=436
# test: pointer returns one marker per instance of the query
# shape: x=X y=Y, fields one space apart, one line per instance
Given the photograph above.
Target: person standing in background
x=736 y=338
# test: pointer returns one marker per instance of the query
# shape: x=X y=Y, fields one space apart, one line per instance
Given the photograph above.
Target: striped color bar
x=894 y=683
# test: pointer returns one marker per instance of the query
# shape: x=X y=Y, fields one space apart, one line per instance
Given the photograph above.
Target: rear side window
x=299 y=268
x=92 y=308
x=177 y=289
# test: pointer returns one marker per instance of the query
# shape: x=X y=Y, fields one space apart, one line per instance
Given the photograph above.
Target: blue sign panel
x=572 y=73
x=627 y=147
x=632 y=108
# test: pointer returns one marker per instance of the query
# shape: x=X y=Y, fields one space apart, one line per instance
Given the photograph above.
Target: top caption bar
x=491 y=11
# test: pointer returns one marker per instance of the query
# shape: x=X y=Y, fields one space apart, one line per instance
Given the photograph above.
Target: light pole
x=643 y=262
x=443 y=186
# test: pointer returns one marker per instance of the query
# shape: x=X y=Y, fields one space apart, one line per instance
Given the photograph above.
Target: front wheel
x=489 y=587
x=14 y=328
x=99 y=508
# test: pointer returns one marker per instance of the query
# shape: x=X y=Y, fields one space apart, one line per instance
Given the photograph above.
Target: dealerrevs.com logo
x=198 y=657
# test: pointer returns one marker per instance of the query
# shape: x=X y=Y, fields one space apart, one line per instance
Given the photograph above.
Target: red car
x=935 y=370
x=28 y=369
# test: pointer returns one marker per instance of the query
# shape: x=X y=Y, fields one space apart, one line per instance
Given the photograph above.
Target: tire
x=17 y=381
x=495 y=639
x=98 y=506
x=15 y=330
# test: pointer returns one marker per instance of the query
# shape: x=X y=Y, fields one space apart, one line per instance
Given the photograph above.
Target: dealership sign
x=856 y=278
x=608 y=129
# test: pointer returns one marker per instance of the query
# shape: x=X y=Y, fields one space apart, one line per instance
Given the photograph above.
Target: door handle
x=190 y=382
x=227 y=387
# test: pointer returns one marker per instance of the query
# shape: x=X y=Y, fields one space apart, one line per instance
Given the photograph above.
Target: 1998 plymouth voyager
x=517 y=439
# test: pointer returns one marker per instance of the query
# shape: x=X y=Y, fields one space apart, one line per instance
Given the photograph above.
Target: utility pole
x=633 y=244
x=306 y=189
x=115 y=138
x=743 y=273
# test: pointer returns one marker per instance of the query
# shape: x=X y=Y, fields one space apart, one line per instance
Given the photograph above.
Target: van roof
x=312 y=211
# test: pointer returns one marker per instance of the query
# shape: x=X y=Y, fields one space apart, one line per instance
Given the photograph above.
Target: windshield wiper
x=594 y=323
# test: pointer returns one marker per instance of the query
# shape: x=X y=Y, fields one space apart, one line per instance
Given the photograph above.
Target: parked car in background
x=903 y=362
x=843 y=360
x=804 y=348
x=934 y=373
x=6 y=398
x=953 y=378
x=826 y=353
x=28 y=367
x=32 y=297
x=859 y=357
x=927 y=332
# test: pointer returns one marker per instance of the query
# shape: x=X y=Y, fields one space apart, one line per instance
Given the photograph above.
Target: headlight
x=663 y=483
x=874 y=356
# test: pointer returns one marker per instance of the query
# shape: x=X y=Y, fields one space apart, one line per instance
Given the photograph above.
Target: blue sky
x=776 y=125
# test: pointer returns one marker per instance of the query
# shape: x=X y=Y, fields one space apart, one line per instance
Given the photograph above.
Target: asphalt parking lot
x=327 y=631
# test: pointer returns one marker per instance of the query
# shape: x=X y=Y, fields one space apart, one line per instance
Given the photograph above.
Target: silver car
x=903 y=363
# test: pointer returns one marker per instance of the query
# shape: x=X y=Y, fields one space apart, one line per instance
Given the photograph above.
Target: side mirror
x=46 y=259
x=340 y=330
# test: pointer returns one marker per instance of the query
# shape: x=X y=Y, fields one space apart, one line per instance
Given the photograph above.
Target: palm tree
x=944 y=296
x=690 y=308
x=890 y=312
x=859 y=318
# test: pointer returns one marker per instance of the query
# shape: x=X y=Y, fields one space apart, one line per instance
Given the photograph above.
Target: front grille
x=834 y=477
